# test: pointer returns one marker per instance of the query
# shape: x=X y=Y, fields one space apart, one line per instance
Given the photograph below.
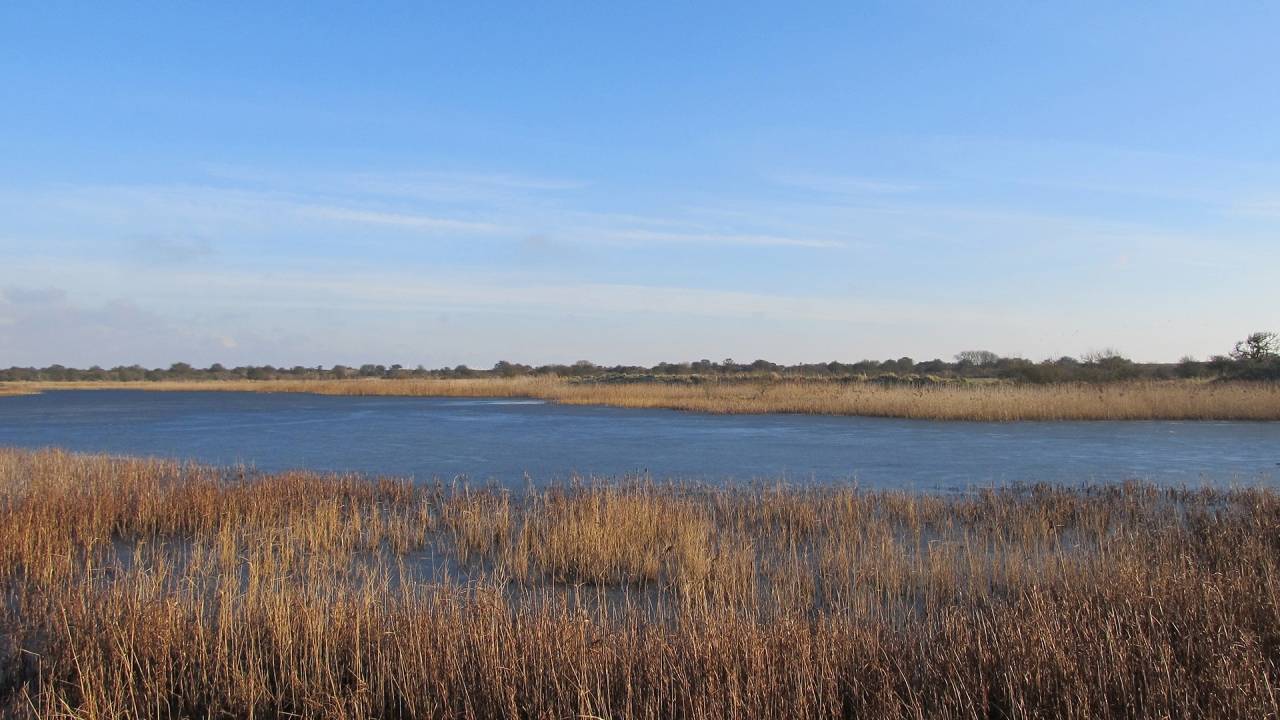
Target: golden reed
x=1144 y=400
x=153 y=589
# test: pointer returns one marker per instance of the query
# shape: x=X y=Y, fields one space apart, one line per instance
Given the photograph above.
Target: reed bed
x=999 y=402
x=147 y=588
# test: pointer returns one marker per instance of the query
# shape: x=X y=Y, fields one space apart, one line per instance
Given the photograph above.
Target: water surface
x=505 y=440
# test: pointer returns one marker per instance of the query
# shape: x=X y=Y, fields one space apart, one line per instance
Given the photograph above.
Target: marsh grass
x=146 y=588
x=1000 y=402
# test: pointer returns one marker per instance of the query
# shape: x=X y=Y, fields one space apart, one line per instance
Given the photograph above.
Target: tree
x=1106 y=356
x=582 y=368
x=977 y=357
x=1220 y=365
x=503 y=368
x=1189 y=367
x=1108 y=364
x=1257 y=357
x=1258 y=347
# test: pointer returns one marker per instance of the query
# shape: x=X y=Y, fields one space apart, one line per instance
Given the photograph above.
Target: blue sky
x=540 y=182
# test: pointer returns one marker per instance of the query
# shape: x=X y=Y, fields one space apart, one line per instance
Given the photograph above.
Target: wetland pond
x=509 y=440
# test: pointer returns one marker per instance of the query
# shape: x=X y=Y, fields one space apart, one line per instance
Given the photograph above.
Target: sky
x=461 y=183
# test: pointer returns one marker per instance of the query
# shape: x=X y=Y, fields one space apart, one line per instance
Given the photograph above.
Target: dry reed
x=145 y=588
x=1000 y=402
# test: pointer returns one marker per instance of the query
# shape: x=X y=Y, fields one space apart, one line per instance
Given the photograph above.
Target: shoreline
x=983 y=402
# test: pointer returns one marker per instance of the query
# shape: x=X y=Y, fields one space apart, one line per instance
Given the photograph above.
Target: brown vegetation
x=136 y=588
x=1142 y=400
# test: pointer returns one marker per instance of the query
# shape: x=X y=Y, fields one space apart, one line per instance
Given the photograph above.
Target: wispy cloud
x=643 y=237
x=398 y=219
x=1258 y=207
x=42 y=325
x=386 y=253
x=171 y=248
x=399 y=292
x=429 y=186
x=345 y=314
x=187 y=219
x=844 y=185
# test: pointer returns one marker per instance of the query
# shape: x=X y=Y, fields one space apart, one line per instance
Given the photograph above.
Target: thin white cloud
x=418 y=185
x=172 y=248
x=217 y=213
x=160 y=223
x=1267 y=208
x=392 y=292
x=312 y=314
x=844 y=185
x=397 y=219
x=42 y=326
x=748 y=240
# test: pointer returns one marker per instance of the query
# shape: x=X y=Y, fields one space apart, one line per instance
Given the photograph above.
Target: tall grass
x=1143 y=400
x=142 y=588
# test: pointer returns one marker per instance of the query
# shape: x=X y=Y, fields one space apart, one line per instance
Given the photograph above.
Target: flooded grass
x=999 y=402
x=145 y=588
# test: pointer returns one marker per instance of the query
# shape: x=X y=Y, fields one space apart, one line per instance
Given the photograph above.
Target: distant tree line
x=1257 y=357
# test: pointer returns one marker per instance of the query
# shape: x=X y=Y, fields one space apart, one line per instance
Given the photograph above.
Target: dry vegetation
x=1143 y=400
x=134 y=588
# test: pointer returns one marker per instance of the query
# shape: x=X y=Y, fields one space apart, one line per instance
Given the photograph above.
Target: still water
x=505 y=440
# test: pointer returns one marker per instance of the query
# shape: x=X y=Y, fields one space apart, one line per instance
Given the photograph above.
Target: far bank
x=977 y=401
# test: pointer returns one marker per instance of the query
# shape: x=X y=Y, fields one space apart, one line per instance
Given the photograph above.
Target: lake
x=505 y=440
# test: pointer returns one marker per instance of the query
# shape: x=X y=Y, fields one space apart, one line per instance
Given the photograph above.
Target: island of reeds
x=157 y=589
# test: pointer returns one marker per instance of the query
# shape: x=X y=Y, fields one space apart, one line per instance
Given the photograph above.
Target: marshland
x=1139 y=581
x=164 y=589
x=378 y=361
